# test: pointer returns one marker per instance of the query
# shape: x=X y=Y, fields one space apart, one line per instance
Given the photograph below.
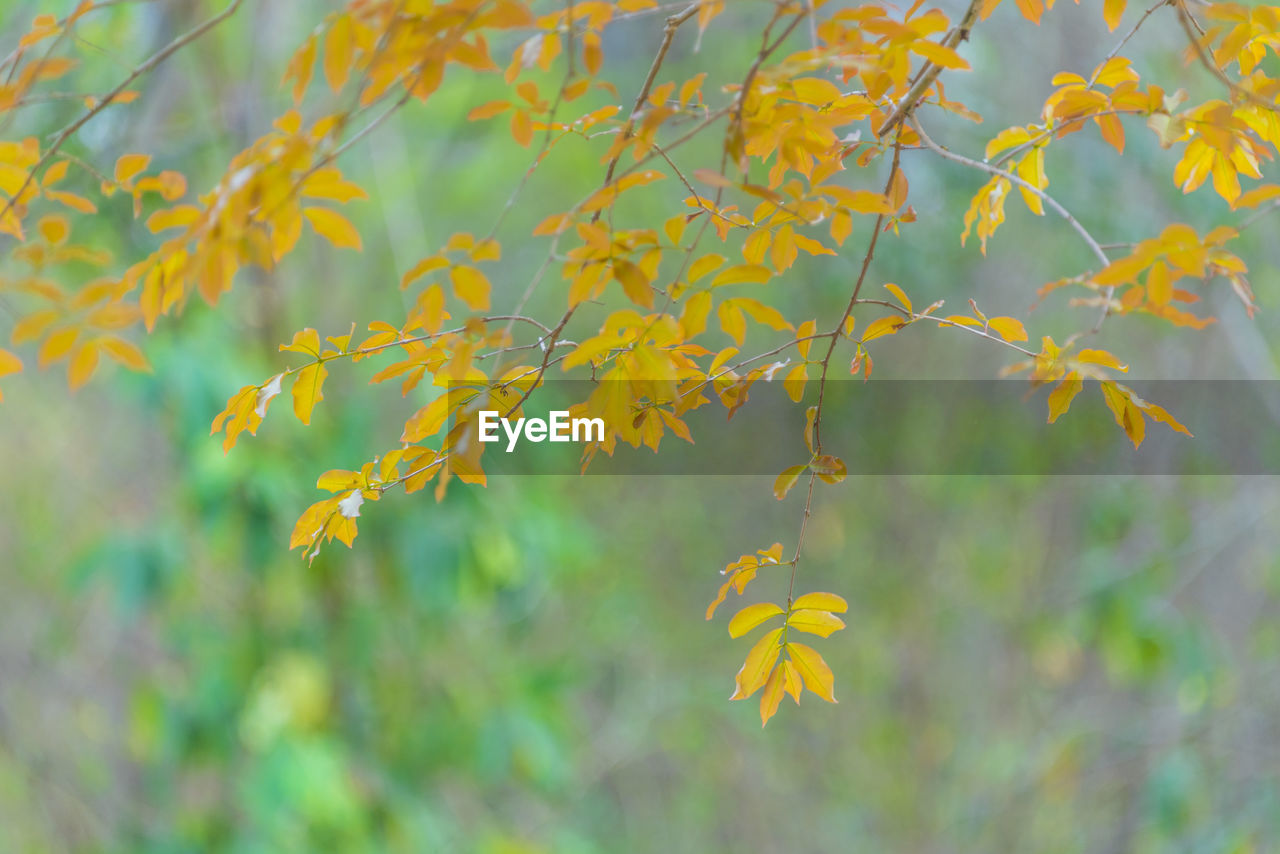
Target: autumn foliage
x=809 y=146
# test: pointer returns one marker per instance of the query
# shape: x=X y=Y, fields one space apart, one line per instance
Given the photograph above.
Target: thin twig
x=922 y=84
x=157 y=58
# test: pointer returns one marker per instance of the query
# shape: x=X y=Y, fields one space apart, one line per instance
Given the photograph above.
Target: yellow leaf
x=1159 y=284
x=883 y=326
x=939 y=54
x=755 y=670
x=126 y=353
x=179 y=217
x=521 y=128
x=427 y=421
x=782 y=485
x=57 y=345
x=705 y=265
x=71 y=200
x=761 y=313
x=334 y=227
x=1112 y=10
x=1257 y=196
x=815 y=90
x=83 y=364
x=300 y=68
x=813 y=670
x=1128 y=416
x=1158 y=413
x=752 y=616
x=339 y=45
x=30 y=327
x=1060 y=398
x=634 y=282
x=54 y=229
x=426 y=265
x=744 y=273
x=1008 y=328
x=867 y=202
x=772 y=696
x=792 y=682
x=1031 y=10
x=9 y=363
x=305 y=341
x=795 y=382
x=307 y=390
x=815 y=622
x=1101 y=357
x=897 y=292
x=489 y=110
x=471 y=286
x=130 y=165
x=822 y=602
x=693 y=320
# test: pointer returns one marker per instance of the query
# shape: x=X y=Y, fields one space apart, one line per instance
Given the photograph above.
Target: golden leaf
x=755 y=669
x=813 y=670
x=471 y=286
x=334 y=227
x=307 y=390
x=821 y=601
x=815 y=622
x=752 y=616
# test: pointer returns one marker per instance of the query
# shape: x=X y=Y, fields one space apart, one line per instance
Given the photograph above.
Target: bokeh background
x=1056 y=664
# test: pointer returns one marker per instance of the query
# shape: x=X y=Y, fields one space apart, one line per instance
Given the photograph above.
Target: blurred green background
x=1031 y=664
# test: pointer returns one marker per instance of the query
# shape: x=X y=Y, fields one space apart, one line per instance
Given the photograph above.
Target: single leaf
x=759 y=662
x=130 y=165
x=752 y=616
x=307 y=390
x=772 y=696
x=9 y=363
x=1101 y=357
x=813 y=670
x=83 y=363
x=815 y=622
x=898 y=292
x=883 y=326
x=1060 y=398
x=821 y=601
x=756 y=274
x=1008 y=328
x=334 y=227
x=339 y=46
x=782 y=485
x=471 y=286
x=126 y=353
